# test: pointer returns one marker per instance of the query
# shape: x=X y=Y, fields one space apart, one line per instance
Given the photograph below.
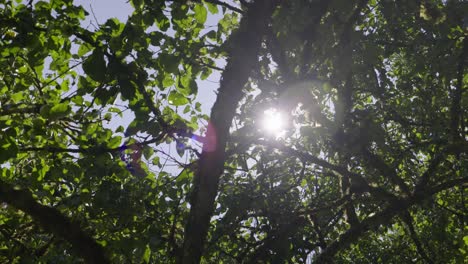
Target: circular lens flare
x=273 y=122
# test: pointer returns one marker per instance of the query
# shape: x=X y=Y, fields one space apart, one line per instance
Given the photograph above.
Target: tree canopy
x=107 y=157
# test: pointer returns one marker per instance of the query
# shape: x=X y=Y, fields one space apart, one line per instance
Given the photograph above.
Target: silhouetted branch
x=226 y=5
x=55 y=222
x=384 y=217
x=406 y=217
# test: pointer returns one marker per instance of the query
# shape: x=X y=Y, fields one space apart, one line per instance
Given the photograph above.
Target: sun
x=273 y=122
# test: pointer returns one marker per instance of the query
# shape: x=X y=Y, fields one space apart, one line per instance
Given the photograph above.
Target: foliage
x=370 y=169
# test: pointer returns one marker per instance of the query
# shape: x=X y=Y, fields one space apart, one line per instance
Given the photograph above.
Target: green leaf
x=148 y=151
x=108 y=116
x=184 y=176
x=212 y=8
x=84 y=85
x=120 y=129
x=136 y=4
x=44 y=111
x=168 y=80
x=177 y=99
x=95 y=66
x=205 y=73
x=170 y=63
x=8 y=146
x=186 y=85
x=127 y=88
x=84 y=49
x=42 y=171
x=114 y=142
x=17 y=97
x=163 y=23
x=23 y=69
x=156 y=37
x=156 y=161
x=147 y=254
x=115 y=25
x=200 y=13
x=184 y=80
x=59 y=111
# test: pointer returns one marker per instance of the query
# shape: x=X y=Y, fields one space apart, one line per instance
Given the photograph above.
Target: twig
x=226 y=5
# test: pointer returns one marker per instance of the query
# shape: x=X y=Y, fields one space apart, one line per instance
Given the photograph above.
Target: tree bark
x=243 y=49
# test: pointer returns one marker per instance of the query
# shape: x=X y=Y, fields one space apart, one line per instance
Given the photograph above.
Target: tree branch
x=382 y=218
x=455 y=111
x=226 y=5
x=380 y=164
x=359 y=184
x=276 y=238
x=55 y=222
x=95 y=150
x=406 y=217
x=455 y=148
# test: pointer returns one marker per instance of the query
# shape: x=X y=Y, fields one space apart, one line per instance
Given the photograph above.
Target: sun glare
x=273 y=122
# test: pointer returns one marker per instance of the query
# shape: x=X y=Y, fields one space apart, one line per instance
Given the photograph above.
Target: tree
x=370 y=166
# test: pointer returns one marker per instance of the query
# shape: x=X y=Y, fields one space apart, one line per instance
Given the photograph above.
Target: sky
x=104 y=9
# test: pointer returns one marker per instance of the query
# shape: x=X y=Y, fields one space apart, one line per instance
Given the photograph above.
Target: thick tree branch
x=243 y=49
x=279 y=56
x=53 y=221
x=359 y=183
x=379 y=163
x=383 y=218
x=14 y=109
x=406 y=217
x=343 y=120
x=93 y=150
x=455 y=111
x=320 y=9
x=275 y=240
x=455 y=148
x=150 y=103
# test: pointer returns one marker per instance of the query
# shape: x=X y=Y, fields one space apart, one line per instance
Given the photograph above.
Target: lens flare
x=273 y=122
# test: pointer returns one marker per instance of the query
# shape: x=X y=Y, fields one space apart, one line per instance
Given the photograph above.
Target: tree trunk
x=243 y=49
